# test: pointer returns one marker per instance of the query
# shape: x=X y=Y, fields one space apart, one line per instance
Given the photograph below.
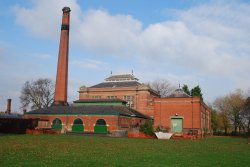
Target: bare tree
x=37 y=94
x=223 y=115
x=235 y=102
x=231 y=107
x=245 y=114
x=162 y=86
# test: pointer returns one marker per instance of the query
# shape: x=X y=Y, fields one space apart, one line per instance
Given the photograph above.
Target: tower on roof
x=179 y=93
x=121 y=78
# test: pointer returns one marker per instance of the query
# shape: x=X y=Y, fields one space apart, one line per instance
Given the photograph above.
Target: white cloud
x=104 y=33
x=44 y=18
x=201 y=41
x=44 y=56
x=210 y=39
x=89 y=64
x=226 y=26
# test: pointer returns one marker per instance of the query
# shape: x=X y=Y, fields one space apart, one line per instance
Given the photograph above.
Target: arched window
x=100 y=126
x=101 y=122
x=56 y=124
x=77 y=125
x=78 y=121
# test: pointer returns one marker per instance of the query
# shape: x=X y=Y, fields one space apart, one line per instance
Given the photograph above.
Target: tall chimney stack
x=62 y=65
x=8 y=111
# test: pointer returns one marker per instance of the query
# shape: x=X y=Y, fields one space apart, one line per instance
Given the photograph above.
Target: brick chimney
x=8 y=111
x=62 y=65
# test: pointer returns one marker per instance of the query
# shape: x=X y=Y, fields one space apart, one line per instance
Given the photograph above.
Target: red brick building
x=96 y=114
x=181 y=113
x=118 y=103
x=126 y=87
x=177 y=113
x=99 y=116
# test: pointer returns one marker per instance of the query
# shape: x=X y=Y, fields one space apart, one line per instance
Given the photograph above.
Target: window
x=101 y=126
x=56 y=124
x=78 y=121
x=101 y=122
x=57 y=121
x=112 y=97
x=78 y=125
x=129 y=100
x=96 y=97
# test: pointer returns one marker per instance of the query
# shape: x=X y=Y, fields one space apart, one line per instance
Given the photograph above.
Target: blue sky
x=189 y=42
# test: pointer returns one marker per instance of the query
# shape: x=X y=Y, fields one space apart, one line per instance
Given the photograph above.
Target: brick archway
x=56 y=124
x=78 y=125
x=101 y=126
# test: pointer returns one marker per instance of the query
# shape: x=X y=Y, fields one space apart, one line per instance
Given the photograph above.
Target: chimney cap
x=66 y=10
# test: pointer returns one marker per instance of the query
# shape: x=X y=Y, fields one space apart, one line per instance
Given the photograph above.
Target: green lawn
x=63 y=150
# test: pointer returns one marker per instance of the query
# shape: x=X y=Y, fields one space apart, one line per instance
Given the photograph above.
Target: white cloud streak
x=89 y=64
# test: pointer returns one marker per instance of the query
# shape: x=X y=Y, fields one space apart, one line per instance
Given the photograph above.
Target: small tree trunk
x=248 y=128
x=225 y=130
x=235 y=124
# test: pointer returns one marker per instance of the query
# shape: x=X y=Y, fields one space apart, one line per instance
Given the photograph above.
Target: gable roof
x=12 y=116
x=179 y=93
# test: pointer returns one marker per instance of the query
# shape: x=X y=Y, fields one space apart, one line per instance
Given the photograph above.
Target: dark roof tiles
x=99 y=100
x=122 y=77
x=89 y=110
x=116 y=84
x=179 y=93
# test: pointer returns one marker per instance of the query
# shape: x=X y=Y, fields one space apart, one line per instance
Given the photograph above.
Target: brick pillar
x=8 y=111
x=62 y=66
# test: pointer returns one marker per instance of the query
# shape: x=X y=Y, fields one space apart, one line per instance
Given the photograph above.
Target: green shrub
x=147 y=128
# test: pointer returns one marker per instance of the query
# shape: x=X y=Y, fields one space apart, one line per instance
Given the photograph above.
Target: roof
x=121 y=81
x=116 y=84
x=15 y=116
x=89 y=110
x=99 y=100
x=178 y=93
x=122 y=77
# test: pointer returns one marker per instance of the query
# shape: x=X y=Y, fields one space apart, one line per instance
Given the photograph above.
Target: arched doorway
x=77 y=125
x=56 y=124
x=101 y=126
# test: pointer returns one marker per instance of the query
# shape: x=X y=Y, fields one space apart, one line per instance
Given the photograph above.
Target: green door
x=101 y=129
x=56 y=124
x=176 y=124
x=100 y=126
x=78 y=125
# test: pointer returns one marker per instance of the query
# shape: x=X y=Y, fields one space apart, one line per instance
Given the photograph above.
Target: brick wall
x=143 y=99
x=194 y=113
x=113 y=122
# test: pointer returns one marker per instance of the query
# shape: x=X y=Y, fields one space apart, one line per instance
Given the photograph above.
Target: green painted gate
x=100 y=126
x=176 y=124
x=78 y=125
x=56 y=124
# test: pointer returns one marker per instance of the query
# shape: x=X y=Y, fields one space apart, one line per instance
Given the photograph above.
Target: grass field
x=63 y=150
